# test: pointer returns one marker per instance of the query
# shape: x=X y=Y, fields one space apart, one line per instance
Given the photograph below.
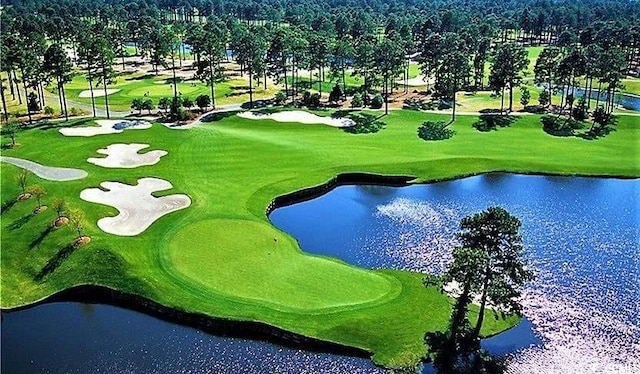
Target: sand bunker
x=137 y=208
x=98 y=92
x=301 y=117
x=46 y=172
x=105 y=126
x=126 y=156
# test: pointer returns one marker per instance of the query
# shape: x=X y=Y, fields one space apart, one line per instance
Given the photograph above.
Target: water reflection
x=581 y=234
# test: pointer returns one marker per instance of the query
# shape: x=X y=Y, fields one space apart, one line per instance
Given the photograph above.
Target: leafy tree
x=33 y=104
x=502 y=270
x=60 y=206
x=187 y=103
x=137 y=104
x=58 y=66
x=389 y=59
x=22 y=179
x=343 y=53
x=335 y=94
x=212 y=47
x=38 y=191
x=507 y=64
x=147 y=104
x=544 y=98
x=525 y=96
x=356 y=101
x=11 y=129
x=453 y=69
x=77 y=219
x=164 y=104
x=377 y=101
x=203 y=101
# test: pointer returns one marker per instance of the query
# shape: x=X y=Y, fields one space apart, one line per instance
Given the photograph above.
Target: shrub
x=377 y=101
x=435 y=130
x=580 y=112
x=48 y=110
x=357 y=102
x=203 y=101
x=525 y=96
x=543 y=98
x=75 y=111
x=335 y=94
x=488 y=122
x=281 y=97
x=183 y=114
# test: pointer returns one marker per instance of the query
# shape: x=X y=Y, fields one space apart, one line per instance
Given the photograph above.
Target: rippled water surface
x=581 y=235
x=582 y=314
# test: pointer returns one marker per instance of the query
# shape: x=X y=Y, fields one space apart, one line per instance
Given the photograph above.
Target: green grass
x=219 y=256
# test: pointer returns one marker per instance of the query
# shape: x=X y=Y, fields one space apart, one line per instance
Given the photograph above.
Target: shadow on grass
x=55 y=262
x=7 y=205
x=36 y=242
x=20 y=222
x=60 y=124
x=214 y=117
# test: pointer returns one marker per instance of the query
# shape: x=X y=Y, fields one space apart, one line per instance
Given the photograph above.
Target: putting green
x=266 y=266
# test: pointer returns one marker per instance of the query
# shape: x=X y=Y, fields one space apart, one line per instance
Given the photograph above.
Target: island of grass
x=221 y=257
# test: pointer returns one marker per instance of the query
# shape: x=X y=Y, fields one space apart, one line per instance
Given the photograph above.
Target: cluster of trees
x=64 y=214
x=171 y=106
x=277 y=40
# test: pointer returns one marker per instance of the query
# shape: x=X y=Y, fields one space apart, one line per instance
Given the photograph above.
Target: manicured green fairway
x=219 y=256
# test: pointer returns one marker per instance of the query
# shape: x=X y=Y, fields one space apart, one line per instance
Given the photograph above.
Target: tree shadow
x=59 y=124
x=55 y=262
x=7 y=205
x=214 y=117
x=20 y=222
x=36 y=242
x=490 y=122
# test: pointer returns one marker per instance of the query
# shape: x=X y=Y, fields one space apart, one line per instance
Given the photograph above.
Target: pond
x=581 y=315
x=630 y=102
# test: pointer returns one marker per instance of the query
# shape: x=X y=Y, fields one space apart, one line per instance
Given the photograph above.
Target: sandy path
x=137 y=208
x=126 y=156
x=46 y=172
x=299 y=116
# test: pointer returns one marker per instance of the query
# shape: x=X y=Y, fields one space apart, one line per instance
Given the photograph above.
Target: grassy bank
x=222 y=257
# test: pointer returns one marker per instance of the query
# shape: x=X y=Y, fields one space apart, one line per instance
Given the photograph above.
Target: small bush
x=75 y=111
x=418 y=104
x=377 y=101
x=580 y=112
x=489 y=122
x=48 y=110
x=280 y=98
x=357 y=102
x=435 y=130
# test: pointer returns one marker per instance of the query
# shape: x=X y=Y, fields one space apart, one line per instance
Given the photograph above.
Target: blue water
x=580 y=234
x=626 y=101
x=582 y=314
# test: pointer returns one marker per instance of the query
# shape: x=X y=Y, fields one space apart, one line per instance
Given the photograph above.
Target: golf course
x=222 y=258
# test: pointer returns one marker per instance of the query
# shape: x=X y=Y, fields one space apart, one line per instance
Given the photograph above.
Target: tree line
x=452 y=41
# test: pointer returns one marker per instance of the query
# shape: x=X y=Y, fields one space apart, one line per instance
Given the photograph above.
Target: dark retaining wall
x=339 y=180
x=92 y=294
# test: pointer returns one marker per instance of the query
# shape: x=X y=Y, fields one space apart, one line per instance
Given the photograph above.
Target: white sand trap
x=137 y=208
x=126 y=156
x=46 y=172
x=299 y=116
x=98 y=92
x=105 y=126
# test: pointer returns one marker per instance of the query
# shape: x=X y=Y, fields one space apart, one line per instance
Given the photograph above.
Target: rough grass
x=219 y=256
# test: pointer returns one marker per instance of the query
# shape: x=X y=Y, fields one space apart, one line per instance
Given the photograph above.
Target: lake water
x=581 y=315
